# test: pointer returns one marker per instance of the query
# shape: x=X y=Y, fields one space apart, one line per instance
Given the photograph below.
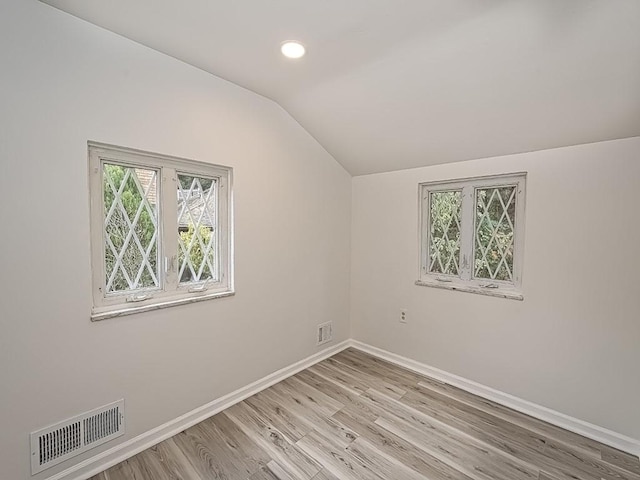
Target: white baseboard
x=594 y=432
x=121 y=452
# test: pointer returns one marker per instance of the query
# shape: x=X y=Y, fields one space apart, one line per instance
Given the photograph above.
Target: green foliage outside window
x=494 y=233
x=445 y=232
x=141 y=274
x=197 y=253
x=494 y=228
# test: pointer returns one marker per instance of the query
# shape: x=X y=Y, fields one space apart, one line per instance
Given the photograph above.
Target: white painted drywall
x=389 y=85
x=63 y=82
x=572 y=344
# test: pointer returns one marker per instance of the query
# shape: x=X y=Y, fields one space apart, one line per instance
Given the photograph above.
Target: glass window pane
x=444 y=234
x=130 y=228
x=494 y=232
x=197 y=216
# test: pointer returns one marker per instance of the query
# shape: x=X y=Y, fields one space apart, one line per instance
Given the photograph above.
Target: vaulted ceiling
x=394 y=84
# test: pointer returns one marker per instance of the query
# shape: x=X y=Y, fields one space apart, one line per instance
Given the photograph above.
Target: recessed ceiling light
x=292 y=49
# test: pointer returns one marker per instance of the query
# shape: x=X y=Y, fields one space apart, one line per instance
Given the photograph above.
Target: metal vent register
x=325 y=333
x=59 y=442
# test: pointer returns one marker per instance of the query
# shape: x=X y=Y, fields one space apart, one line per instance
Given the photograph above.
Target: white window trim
x=464 y=281
x=169 y=292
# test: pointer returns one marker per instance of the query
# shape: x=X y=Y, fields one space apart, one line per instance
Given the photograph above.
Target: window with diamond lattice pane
x=444 y=234
x=130 y=228
x=197 y=204
x=494 y=233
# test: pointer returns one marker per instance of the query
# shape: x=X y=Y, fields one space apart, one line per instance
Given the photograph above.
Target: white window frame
x=170 y=291
x=465 y=281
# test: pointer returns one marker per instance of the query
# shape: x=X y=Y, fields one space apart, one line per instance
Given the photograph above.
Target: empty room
x=320 y=240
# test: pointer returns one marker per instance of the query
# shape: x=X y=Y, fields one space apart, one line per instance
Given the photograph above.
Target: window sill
x=111 y=312
x=490 y=292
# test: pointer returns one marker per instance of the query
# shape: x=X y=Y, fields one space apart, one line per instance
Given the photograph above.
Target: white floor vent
x=325 y=333
x=67 y=439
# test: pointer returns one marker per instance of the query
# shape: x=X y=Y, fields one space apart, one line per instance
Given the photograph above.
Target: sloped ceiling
x=394 y=84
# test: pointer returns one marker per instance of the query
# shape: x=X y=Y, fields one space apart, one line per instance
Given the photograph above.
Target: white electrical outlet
x=403 y=315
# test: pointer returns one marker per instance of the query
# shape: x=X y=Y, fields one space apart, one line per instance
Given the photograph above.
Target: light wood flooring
x=354 y=416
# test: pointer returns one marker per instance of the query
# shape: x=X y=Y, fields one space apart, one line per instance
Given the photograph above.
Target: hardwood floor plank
x=291 y=427
x=442 y=438
x=271 y=471
x=324 y=474
x=122 y=471
x=341 y=394
x=208 y=455
x=499 y=426
x=538 y=426
x=100 y=476
x=244 y=452
x=335 y=459
x=509 y=438
x=481 y=425
x=339 y=377
x=165 y=461
x=544 y=476
x=385 y=466
x=298 y=395
x=371 y=381
x=471 y=458
x=624 y=460
x=403 y=451
x=563 y=460
x=265 y=473
x=327 y=387
x=320 y=400
x=406 y=378
x=357 y=417
x=295 y=406
x=514 y=447
x=396 y=379
x=294 y=461
x=317 y=421
x=585 y=464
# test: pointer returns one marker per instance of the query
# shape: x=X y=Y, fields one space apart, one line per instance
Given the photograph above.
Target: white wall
x=572 y=344
x=63 y=82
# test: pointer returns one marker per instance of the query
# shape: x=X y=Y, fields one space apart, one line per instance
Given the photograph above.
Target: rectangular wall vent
x=57 y=443
x=325 y=333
